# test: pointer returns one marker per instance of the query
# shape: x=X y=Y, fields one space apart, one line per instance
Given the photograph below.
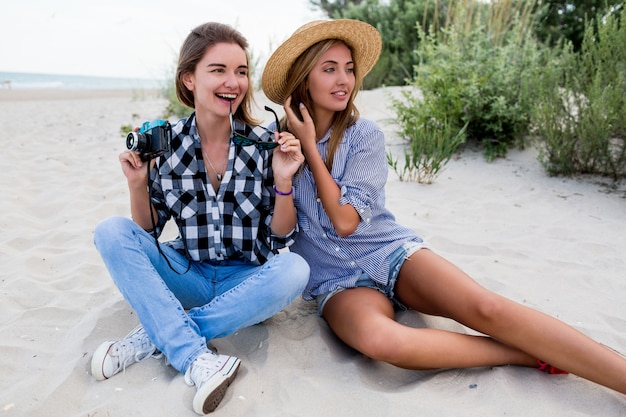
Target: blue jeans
x=221 y=297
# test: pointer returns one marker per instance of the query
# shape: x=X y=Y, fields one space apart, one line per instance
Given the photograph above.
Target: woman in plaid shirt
x=227 y=184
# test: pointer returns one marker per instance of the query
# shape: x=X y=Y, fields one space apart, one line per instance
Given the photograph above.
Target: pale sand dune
x=555 y=244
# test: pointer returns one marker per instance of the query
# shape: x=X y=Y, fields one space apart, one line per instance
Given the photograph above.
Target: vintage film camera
x=152 y=139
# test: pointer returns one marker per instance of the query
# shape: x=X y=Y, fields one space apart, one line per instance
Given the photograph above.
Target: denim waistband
x=396 y=259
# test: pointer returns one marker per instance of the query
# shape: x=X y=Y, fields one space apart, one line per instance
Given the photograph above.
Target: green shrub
x=477 y=81
x=581 y=116
x=472 y=80
x=124 y=129
x=431 y=145
x=174 y=107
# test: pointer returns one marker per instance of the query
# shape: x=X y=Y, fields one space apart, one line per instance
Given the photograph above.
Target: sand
x=555 y=244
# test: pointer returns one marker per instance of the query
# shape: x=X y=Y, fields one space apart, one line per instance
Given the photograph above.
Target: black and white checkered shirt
x=235 y=223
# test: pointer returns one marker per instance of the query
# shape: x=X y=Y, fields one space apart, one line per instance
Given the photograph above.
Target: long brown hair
x=297 y=86
x=193 y=49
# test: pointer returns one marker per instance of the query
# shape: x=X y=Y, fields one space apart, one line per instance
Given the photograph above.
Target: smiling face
x=331 y=81
x=221 y=76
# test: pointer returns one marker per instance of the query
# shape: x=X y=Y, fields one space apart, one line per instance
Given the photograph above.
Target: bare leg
x=432 y=285
x=363 y=318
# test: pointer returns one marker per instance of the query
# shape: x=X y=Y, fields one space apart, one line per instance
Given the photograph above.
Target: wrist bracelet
x=281 y=193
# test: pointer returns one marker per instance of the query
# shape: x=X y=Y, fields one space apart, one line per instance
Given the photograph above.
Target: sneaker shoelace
x=135 y=347
x=203 y=368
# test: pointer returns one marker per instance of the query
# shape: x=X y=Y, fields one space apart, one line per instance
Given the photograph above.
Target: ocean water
x=23 y=81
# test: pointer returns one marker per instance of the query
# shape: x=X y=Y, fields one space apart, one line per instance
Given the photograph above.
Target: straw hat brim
x=361 y=37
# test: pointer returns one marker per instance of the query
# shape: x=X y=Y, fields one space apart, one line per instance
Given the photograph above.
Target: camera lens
x=133 y=141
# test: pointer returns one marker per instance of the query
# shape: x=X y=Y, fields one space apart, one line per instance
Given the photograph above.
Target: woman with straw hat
x=363 y=264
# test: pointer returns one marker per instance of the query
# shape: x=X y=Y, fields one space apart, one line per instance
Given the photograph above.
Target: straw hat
x=361 y=37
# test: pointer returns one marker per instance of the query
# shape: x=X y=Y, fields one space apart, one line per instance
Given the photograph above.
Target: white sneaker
x=114 y=356
x=211 y=374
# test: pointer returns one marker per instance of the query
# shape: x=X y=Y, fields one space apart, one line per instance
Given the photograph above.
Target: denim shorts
x=397 y=258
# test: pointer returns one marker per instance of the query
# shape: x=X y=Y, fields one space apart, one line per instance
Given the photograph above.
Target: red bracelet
x=281 y=193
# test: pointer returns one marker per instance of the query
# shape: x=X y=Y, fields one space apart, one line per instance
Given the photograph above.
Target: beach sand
x=554 y=244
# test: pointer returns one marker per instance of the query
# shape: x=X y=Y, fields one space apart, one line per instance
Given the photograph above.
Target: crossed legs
x=516 y=335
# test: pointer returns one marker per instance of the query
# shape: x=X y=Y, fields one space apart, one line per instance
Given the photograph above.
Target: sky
x=132 y=38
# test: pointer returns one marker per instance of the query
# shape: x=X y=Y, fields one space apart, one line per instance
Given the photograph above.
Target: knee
x=109 y=230
x=380 y=347
x=490 y=308
x=295 y=271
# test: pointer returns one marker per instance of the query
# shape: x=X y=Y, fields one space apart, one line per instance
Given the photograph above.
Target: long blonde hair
x=297 y=86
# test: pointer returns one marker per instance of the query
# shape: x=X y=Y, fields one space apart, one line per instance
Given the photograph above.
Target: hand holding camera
x=152 y=139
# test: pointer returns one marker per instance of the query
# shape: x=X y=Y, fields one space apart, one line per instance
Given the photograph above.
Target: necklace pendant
x=219 y=176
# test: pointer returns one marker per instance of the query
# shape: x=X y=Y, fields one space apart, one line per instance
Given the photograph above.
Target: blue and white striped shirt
x=360 y=169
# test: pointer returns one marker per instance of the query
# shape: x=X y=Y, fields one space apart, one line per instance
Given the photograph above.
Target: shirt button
x=318 y=199
x=337 y=249
x=324 y=235
x=352 y=263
